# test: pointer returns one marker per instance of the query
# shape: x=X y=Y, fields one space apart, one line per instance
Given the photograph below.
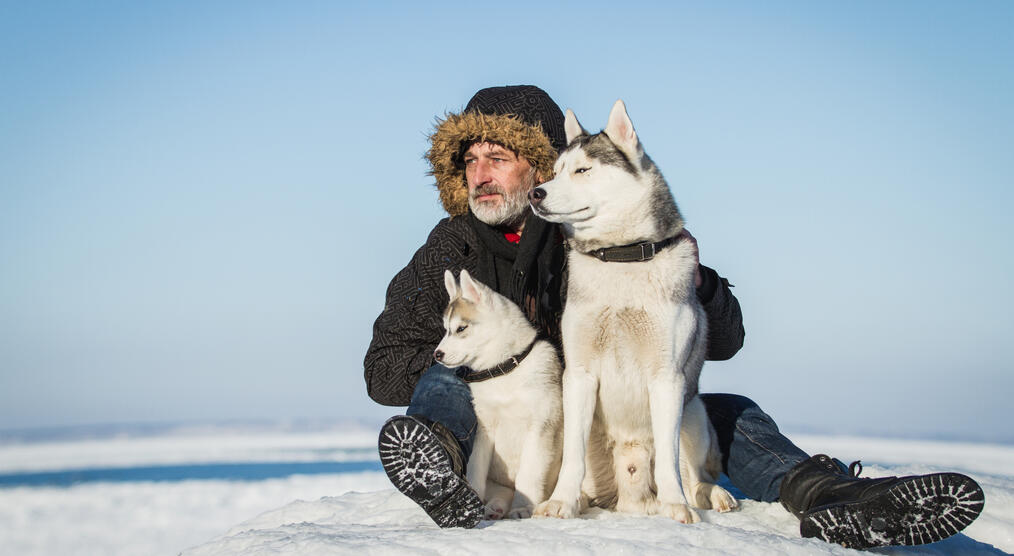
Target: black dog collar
x=502 y=368
x=634 y=253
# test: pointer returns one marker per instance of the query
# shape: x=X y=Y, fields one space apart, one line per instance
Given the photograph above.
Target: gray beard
x=511 y=212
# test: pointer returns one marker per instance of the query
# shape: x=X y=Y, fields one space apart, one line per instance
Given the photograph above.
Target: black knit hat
x=528 y=102
x=520 y=117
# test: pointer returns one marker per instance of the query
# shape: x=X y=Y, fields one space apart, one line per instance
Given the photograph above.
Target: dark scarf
x=529 y=273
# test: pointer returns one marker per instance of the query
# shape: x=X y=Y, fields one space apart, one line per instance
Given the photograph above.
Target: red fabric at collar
x=512 y=237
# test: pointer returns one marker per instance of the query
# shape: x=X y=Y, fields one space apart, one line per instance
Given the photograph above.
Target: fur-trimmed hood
x=522 y=118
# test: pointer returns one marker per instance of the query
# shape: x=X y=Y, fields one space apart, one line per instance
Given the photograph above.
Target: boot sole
x=920 y=510
x=420 y=468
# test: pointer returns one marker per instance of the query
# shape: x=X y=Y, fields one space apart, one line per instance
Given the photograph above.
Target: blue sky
x=201 y=204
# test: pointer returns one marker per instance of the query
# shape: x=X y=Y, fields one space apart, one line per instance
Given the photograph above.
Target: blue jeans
x=755 y=455
x=442 y=396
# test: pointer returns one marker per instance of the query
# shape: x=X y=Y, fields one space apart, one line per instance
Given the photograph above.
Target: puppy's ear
x=451 y=284
x=620 y=129
x=572 y=127
x=470 y=289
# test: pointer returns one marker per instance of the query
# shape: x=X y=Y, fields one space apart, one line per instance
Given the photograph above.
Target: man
x=485 y=161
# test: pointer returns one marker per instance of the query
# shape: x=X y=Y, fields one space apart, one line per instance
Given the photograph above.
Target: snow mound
x=385 y=522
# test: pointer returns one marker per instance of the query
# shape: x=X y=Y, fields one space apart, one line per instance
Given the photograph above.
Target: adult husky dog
x=633 y=334
x=515 y=383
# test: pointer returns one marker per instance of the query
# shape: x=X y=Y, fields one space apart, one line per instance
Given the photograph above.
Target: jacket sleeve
x=725 y=320
x=410 y=326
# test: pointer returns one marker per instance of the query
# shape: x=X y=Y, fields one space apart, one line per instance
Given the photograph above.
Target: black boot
x=834 y=505
x=425 y=462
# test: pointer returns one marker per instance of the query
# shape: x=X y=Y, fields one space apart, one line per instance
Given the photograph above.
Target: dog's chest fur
x=623 y=318
x=510 y=405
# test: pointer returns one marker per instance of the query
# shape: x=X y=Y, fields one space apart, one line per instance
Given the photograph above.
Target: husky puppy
x=515 y=383
x=634 y=334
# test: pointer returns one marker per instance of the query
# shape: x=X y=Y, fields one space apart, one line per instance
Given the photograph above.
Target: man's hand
x=698 y=279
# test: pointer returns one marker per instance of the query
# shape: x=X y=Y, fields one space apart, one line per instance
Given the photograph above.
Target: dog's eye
x=461 y=329
x=581 y=170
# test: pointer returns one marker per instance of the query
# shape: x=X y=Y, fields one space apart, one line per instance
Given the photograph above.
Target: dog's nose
x=536 y=195
x=438 y=355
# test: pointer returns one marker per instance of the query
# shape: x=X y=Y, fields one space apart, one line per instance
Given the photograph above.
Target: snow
x=148 y=517
x=206 y=445
x=133 y=518
x=385 y=522
x=361 y=513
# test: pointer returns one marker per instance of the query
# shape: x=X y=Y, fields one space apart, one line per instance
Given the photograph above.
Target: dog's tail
x=635 y=487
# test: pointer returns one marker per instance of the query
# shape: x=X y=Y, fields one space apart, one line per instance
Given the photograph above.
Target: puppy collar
x=501 y=369
x=633 y=253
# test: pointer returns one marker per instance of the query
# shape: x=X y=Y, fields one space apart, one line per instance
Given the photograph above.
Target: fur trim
x=450 y=134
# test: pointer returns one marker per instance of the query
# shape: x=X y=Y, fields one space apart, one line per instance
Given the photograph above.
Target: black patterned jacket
x=410 y=326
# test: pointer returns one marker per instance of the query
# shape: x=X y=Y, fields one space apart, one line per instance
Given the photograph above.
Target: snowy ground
x=360 y=513
x=148 y=518
x=164 y=517
x=385 y=522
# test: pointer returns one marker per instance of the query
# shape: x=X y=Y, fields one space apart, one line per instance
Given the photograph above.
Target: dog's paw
x=523 y=512
x=713 y=497
x=679 y=512
x=555 y=508
x=495 y=509
x=721 y=500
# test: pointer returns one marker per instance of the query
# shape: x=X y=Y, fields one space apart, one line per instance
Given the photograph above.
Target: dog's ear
x=470 y=289
x=620 y=129
x=451 y=284
x=572 y=127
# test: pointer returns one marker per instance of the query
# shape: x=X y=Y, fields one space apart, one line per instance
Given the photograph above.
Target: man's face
x=498 y=184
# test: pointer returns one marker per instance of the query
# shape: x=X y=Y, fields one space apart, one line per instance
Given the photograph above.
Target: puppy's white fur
x=516 y=455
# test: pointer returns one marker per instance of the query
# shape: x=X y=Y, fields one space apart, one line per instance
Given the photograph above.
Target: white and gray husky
x=634 y=335
x=515 y=383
